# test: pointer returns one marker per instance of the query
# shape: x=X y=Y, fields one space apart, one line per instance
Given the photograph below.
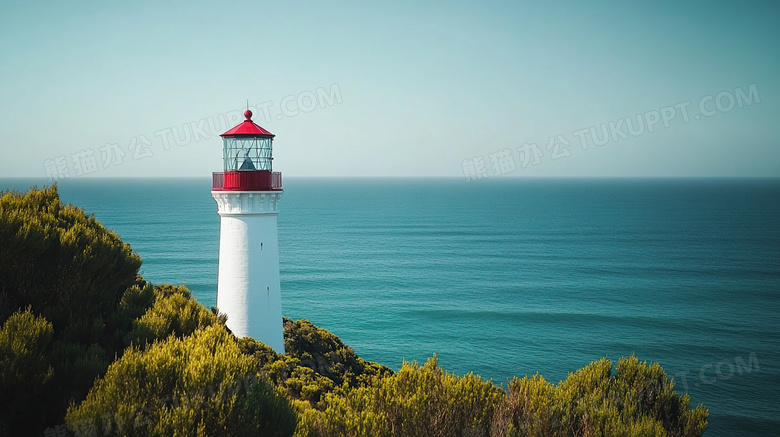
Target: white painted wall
x=248 y=289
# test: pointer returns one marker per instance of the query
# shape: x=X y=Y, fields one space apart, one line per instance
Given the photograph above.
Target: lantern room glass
x=247 y=153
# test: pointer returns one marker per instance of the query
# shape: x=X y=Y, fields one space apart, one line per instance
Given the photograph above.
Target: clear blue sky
x=404 y=88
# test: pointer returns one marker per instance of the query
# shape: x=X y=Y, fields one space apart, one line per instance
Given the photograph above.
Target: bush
x=637 y=400
x=25 y=369
x=327 y=356
x=426 y=401
x=415 y=401
x=62 y=266
x=174 y=312
x=199 y=385
x=62 y=263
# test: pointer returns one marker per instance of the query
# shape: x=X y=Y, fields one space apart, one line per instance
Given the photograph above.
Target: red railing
x=247 y=180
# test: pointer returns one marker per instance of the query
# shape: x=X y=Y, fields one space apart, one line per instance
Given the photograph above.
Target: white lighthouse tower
x=247 y=194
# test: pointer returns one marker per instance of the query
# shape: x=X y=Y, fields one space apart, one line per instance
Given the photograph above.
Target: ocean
x=505 y=277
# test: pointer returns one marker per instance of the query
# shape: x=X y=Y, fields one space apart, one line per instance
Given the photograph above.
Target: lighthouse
x=247 y=193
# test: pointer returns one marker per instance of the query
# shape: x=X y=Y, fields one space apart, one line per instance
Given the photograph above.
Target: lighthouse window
x=248 y=153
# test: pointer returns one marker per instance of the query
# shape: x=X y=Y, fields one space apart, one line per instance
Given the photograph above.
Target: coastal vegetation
x=88 y=348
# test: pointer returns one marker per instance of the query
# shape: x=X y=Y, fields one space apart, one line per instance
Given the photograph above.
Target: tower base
x=248 y=288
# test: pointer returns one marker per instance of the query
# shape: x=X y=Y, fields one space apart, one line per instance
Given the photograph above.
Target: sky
x=465 y=89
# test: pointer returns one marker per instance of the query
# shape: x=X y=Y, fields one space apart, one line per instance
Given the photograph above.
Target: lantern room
x=247 y=155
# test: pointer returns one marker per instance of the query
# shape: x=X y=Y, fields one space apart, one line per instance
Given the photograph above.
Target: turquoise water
x=506 y=277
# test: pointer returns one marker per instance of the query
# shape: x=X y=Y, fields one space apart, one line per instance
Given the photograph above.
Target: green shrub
x=638 y=400
x=61 y=262
x=326 y=355
x=647 y=391
x=64 y=266
x=199 y=385
x=25 y=369
x=174 y=312
x=415 y=401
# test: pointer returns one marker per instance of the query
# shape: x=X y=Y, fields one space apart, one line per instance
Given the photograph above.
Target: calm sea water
x=506 y=277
